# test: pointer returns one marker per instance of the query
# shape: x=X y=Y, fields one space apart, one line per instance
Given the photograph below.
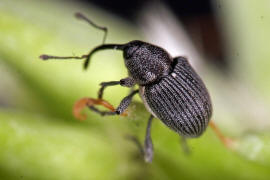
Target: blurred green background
x=39 y=138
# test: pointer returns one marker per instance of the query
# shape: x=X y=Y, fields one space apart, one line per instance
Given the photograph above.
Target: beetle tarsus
x=148 y=145
x=102 y=113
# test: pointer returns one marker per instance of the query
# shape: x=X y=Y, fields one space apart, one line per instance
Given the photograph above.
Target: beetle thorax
x=145 y=62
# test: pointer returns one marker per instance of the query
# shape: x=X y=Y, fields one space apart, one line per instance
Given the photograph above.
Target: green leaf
x=25 y=38
x=39 y=138
x=38 y=148
x=33 y=147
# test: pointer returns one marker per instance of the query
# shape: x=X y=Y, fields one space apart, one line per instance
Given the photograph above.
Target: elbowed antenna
x=47 y=57
x=87 y=56
x=89 y=21
x=102 y=47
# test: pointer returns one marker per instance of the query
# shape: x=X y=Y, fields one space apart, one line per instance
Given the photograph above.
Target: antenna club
x=78 y=15
x=44 y=57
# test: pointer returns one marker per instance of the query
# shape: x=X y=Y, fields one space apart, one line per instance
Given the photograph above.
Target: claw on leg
x=90 y=102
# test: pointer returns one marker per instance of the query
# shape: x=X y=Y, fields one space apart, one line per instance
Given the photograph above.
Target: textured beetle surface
x=146 y=63
x=171 y=90
x=180 y=100
x=169 y=87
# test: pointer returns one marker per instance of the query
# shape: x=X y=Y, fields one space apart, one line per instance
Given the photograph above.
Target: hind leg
x=148 y=145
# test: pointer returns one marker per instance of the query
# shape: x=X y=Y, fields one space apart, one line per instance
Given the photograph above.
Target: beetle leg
x=120 y=110
x=102 y=113
x=148 y=145
x=229 y=143
x=126 y=82
x=91 y=102
x=184 y=145
x=136 y=141
x=104 y=85
x=125 y=102
x=148 y=150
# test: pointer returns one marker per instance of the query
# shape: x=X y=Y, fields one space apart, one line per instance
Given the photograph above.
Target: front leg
x=91 y=102
x=126 y=82
x=120 y=109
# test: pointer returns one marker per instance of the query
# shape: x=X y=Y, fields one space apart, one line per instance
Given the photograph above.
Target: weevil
x=169 y=87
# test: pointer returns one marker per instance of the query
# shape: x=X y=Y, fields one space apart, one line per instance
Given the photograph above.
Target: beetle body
x=180 y=100
x=170 y=88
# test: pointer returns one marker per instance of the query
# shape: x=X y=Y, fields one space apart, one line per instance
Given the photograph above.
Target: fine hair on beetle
x=169 y=87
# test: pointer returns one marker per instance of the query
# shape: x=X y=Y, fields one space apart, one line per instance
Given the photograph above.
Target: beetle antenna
x=47 y=57
x=87 y=56
x=102 y=47
x=105 y=29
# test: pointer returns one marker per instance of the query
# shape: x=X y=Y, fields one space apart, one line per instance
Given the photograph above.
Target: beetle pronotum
x=170 y=89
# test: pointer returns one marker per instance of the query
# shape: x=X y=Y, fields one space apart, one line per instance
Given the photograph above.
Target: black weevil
x=170 y=89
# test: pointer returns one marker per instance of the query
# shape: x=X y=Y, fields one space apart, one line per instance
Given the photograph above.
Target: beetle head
x=145 y=62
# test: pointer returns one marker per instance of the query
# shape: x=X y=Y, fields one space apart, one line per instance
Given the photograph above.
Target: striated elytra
x=170 y=88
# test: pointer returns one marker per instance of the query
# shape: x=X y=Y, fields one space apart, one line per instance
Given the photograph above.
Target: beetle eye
x=131 y=50
x=126 y=54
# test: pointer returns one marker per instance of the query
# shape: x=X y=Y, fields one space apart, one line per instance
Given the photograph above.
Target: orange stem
x=226 y=141
x=80 y=104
